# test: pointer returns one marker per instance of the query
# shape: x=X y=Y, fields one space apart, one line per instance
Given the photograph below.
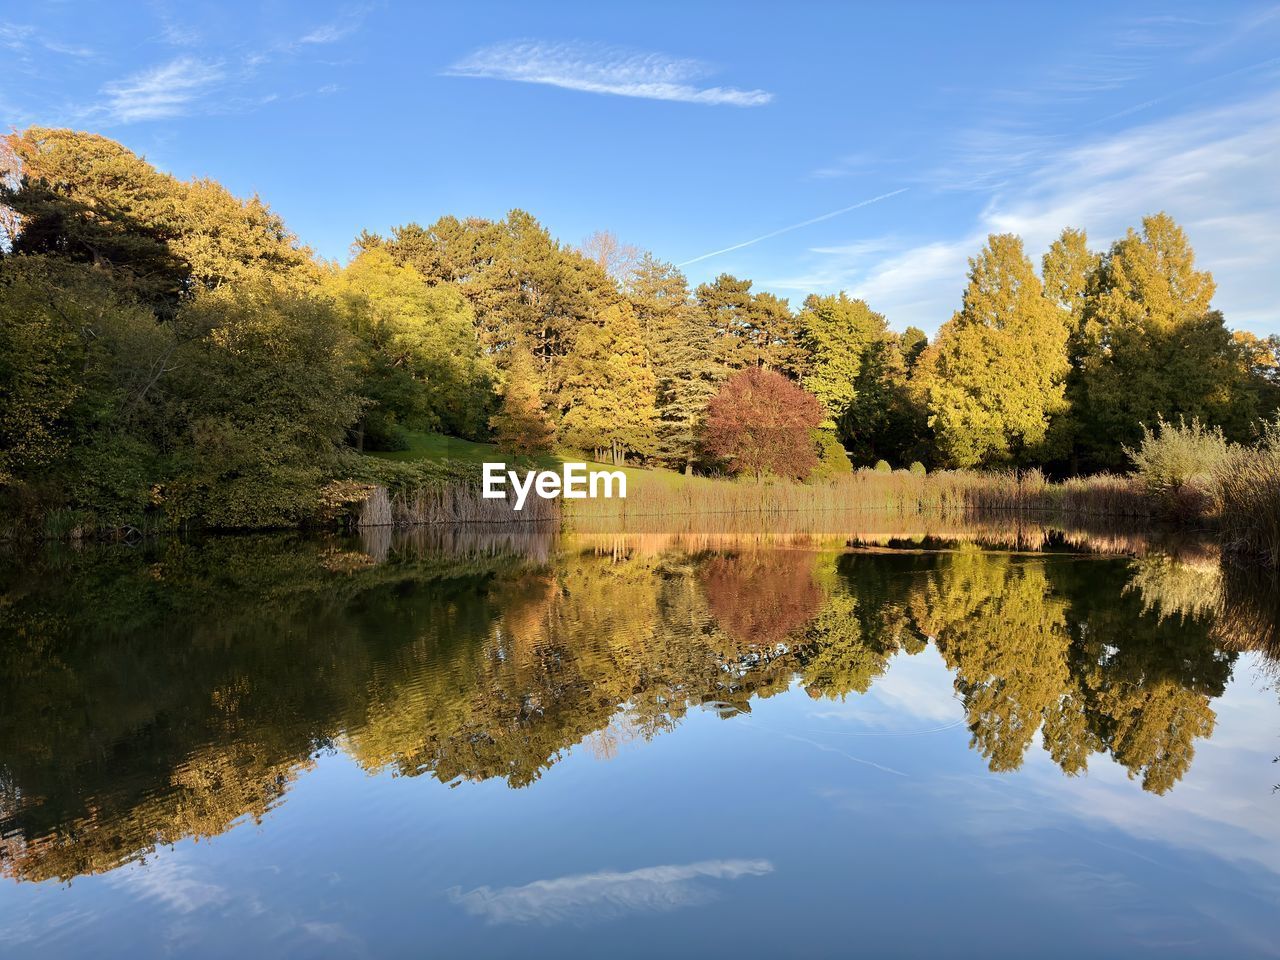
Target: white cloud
x=178 y=34
x=594 y=69
x=170 y=882
x=168 y=90
x=329 y=33
x=20 y=38
x=594 y=896
x=1223 y=806
x=1213 y=170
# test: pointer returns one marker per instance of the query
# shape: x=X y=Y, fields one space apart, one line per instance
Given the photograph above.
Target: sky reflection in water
x=516 y=742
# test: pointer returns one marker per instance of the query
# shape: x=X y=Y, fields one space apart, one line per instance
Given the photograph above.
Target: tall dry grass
x=448 y=503
x=1248 y=494
x=951 y=495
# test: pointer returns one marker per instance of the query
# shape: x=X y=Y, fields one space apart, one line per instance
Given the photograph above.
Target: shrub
x=1178 y=464
x=917 y=468
x=882 y=466
x=833 y=461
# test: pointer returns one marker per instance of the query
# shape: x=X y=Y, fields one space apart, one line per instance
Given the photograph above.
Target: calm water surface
x=471 y=744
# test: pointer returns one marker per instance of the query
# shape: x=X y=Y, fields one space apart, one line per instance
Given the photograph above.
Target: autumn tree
x=761 y=423
x=994 y=378
x=759 y=598
x=10 y=181
x=609 y=387
x=521 y=424
x=88 y=199
x=1067 y=269
x=1152 y=345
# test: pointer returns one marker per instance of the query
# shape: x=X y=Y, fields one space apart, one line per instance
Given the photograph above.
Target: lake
x=507 y=741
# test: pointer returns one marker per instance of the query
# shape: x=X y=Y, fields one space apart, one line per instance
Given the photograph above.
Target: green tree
x=423 y=366
x=994 y=378
x=836 y=331
x=886 y=418
x=524 y=286
x=521 y=424
x=84 y=375
x=609 y=388
x=683 y=354
x=912 y=343
x=88 y=199
x=1259 y=359
x=1067 y=268
x=751 y=329
x=1151 y=345
x=268 y=396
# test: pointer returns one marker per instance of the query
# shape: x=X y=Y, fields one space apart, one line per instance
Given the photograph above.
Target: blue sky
x=690 y=128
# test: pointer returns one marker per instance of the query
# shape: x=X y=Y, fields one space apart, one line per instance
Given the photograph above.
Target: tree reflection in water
x=172 y=690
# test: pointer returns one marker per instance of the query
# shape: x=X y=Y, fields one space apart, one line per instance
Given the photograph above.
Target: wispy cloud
x=1213 y=170
x=594 y=69
x=21 y=38
x=794 y=226
x=168 y=90
x=170 y=882
x=595 y=896
x=850 y=165
x=348 y=22
x=177 y=33
x=329 y=33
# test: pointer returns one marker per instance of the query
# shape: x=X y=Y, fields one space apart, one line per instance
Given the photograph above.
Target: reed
x=950 y=495
x=446 y=503
x=1248 y=493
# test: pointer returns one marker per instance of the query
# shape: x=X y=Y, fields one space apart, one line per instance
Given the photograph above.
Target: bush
x=833 y=461
x=917 y=468
x=882 y=466
x=1178 y=465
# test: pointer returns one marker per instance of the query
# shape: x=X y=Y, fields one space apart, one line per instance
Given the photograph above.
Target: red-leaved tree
x=761 y=422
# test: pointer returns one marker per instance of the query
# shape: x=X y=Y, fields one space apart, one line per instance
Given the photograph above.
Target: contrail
x=794 y=226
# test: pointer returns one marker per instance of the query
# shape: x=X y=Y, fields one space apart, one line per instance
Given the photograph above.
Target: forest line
x=173 y=352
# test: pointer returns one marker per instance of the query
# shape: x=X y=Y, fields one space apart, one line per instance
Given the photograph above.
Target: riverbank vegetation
x=172 y=355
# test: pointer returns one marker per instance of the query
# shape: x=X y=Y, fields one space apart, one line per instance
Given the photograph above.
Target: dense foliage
x=761 y=423
x=171 y=353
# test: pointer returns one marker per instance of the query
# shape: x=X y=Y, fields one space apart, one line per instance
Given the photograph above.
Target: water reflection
x=170 y=691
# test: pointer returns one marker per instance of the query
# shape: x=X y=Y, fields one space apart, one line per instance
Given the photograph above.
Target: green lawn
x=436 y=446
